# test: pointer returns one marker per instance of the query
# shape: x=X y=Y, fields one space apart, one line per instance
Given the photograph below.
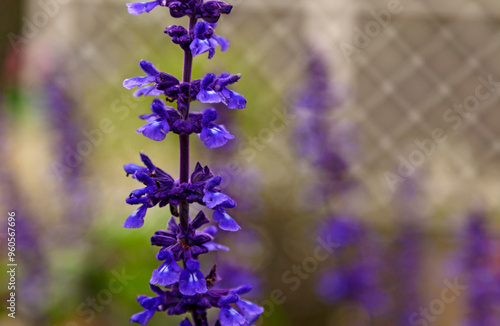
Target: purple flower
x=138 y=8
x=342 y=230
x=213 y=89
x=187 y=289
x=163 y=81
x=205 y=40
x=250 y=310
x=157 y=127
x=213 y=135
x=483 y=281
x=185 y=244
x=150 y=305
x=248 y=314
x=167 y=273
x=192 y=280
x=217 y=201
x=154 y=180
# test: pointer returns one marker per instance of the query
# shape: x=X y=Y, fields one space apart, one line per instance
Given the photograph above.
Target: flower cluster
x=161 y=189
x=186 y=289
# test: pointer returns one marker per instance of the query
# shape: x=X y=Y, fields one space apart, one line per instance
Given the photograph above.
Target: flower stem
x=184 y=138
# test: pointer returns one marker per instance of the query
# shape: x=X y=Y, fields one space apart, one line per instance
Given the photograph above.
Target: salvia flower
x=213 y=135
x=162 y=81
x=168 y=272
x=206 y=41
x=150 y=305
x=192 y=280
x=217 y=201
x=213 y=89
x=187 y=289
x=178 y=244
x=157 y=127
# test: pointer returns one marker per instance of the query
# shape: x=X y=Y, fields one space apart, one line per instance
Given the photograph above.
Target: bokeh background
x=373 y=124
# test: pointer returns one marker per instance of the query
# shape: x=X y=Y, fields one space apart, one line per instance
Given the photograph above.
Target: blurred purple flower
x=482 y=273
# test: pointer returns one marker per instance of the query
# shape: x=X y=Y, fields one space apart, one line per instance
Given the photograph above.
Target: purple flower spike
x=192 y=280
x=138 y=8
x=186 y=238
x=157 y=127
x=167 y=273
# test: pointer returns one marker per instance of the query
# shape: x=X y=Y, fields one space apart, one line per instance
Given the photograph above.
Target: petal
x=136 y=219
x=192 y=282
x=172 y=225
x=193 y=265
x=149 y=68
x=234 y=100
x=144 y=178
x=207 y=80
x=250 y=310
x=212 y=230
x=213 y=246
x=164 y=254
x=228 y=316
x=211 y=52
x=131 y=168
x=150 y=90
x=201 y=238
x=138 y=82
x=142 y=317
x=200 y=28
x=207 y=95
x=148 y=117
x=209 y=115
x=141 y=200
x=138 y=8
x=156 y=289
x=163 y=241
x=166 y=274
x=226 y=222
x=199 y=220
x=214 y=136
x=159 y=108
x=147 y=162
x=198 y=46
x=224 y=44
x=153 y=130
x=213 y=182
x=215 y=199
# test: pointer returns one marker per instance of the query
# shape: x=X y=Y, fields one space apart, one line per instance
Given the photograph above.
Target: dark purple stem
x=184 y=138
